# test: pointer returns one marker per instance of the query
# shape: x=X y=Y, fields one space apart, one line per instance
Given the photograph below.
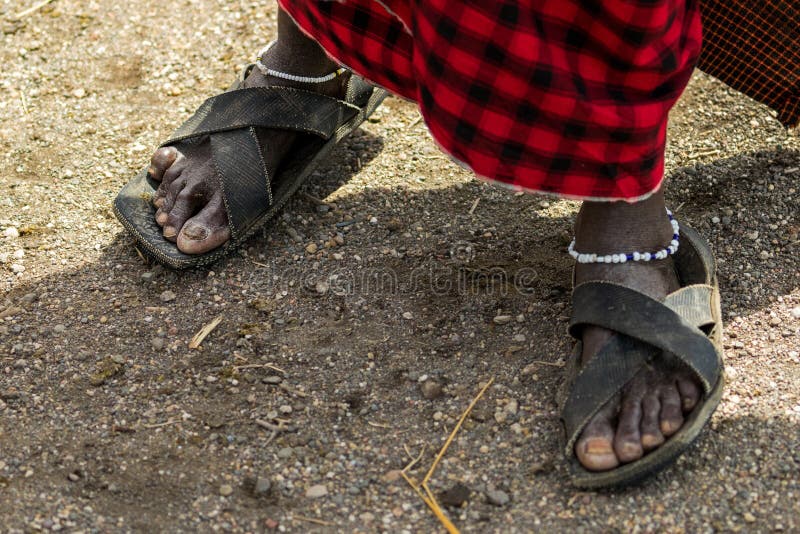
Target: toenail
x=630 y=449
x=648 y=440
x=196 y=232
x=598 y=447
x=161 y=218
x=668 y=427
x=170 y=231
x=151 y=171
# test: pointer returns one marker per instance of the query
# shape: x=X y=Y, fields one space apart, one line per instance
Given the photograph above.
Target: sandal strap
x=245 y=183
x=281 y=108
x=641 y=317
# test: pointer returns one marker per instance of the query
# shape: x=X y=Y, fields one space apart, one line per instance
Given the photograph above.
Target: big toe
x=595 y=448
x=205 y=231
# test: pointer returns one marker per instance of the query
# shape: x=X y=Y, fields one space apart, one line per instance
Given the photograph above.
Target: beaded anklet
x=632 y=256
x=292 y=77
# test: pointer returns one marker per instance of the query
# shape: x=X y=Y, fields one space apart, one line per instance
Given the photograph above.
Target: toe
x=162 y=159
x=205 y=231
x=186 y=205
x=690 y=393
x=595 y=448
x=671 y=411
x=166 y=200
x=628 y=439
x=652 y=437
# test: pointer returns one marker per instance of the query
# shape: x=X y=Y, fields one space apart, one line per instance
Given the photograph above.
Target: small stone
x=321 y=287
x=312 y=248
x=149 y=276
x=59 y=329
x=316 y=492
x=79 y=93
x=796 y=312
x=456 y=496
x=16 y=268
x=498 y=497
x=19 y=254
x=285 y=409
x=392 y=476
x=750 y=518
x=408 y=315
x=226 y=490
x=519 y=338
x=285 y=453
x=438 y=416
x=157 y=343
x=520 y=318
x=752 y=236
x=373 y=220
x=512 y=408
x=431 y=389
x=11 y=232
x=168 y=296
x=29 y=299
x=775 y=321
x=715 y=220
x=262 y=486
x=73 y=477
x=502 y=319
x=272 y=380
x=118 y=359
x=764 y=255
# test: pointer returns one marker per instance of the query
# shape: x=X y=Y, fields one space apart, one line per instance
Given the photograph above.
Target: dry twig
x=314 y=521
x=198 y=339
x=427 y=495
x=31 y=10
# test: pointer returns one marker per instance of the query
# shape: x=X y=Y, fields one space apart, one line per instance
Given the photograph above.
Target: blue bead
x=630 y=257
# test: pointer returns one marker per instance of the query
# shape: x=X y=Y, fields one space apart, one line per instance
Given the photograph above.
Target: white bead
x=637 y=256
x=608 y=258
x=674 y=243
x=623 y=258
x=593 y=258
x=647 y=256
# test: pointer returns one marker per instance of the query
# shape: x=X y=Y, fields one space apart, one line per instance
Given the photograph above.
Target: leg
x=653 y=404
x=189 y=201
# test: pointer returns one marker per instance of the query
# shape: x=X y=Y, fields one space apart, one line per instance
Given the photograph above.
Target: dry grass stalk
x=427 y=495
x=198 y=339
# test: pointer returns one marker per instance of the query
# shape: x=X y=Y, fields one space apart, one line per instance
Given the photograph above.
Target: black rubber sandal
x=230 y=120
x=686 y=326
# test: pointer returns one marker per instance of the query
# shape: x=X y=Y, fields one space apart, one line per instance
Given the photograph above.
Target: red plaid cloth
x=567 y=97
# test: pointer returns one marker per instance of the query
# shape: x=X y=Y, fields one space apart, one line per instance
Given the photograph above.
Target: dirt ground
x=364 y=352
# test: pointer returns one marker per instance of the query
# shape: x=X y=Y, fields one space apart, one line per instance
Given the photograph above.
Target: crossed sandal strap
x=646 y=328
x=230 y=120
x=281 y=108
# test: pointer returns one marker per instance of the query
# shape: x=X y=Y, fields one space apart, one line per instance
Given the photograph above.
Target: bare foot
x=652 y=406
x=189 y=202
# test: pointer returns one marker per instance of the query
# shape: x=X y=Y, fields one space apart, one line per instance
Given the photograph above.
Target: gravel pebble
x=316 y=492
x=498 y=497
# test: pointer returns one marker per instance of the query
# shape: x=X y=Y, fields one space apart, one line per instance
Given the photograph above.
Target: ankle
x=617 y=227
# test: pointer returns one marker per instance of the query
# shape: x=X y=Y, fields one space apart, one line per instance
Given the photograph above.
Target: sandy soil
x=369 y=348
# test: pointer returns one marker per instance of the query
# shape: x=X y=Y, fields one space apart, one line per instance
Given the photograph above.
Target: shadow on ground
x=107 y=407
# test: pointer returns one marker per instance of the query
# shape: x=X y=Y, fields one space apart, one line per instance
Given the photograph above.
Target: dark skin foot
x=652 y=406
x=189 y=201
